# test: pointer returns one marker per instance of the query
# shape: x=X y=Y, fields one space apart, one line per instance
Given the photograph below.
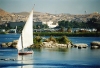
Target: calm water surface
x=51 y=58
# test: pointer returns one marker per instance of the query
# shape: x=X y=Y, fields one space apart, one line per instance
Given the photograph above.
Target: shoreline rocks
x=4 y=45
x=9 y=44
x=80 y=45
x=95 y=44
x=8 y=59
x=51 y=44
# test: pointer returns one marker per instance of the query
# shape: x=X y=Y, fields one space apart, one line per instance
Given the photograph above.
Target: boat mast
x=22 y=42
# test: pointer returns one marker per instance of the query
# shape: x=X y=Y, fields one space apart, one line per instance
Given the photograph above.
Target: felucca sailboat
x=26 y=37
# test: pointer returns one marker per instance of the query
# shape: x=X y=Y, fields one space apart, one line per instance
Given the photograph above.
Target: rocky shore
x=62 y=42
x=80 y=45
x=50 y=44
x=9 y=44
x=95 y=44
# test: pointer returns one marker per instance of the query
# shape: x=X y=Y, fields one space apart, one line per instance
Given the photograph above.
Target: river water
x=51 y=58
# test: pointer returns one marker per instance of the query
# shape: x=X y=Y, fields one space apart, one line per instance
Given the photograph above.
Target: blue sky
x=52 y=6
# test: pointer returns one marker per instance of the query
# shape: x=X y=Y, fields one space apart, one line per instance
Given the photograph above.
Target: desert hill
x=45 y=17
x=5 y=16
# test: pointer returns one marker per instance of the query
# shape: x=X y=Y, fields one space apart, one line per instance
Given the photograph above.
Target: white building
x=50 y=24
x=2 y=30
x=12 y=31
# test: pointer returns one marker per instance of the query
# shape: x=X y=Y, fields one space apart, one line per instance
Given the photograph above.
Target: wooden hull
x=25 y=53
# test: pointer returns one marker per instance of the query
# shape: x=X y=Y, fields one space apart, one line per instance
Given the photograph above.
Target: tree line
x=91 y=23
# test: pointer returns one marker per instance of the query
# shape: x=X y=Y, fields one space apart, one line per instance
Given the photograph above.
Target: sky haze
x=51 y=6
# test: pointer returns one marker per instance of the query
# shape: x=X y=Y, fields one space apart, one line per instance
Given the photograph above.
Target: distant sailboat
x=26 y=37
x=16 y=29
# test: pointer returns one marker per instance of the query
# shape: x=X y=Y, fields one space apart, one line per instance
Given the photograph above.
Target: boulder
x=95 y=44
x=52 y=44
x=4 y=45
x=69 y=45
x=14 y=43
x=47 y=44
x=80 y=45
x=9 y=44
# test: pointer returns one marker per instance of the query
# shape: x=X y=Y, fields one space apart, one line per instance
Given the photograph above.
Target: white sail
x=27 y=33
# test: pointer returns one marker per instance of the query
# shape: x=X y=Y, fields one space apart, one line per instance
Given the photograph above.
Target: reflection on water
x=51 y=58
x=58 y=49
x=25 y=60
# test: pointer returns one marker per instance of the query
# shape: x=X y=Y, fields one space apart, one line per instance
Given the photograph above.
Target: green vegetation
x=41 y=26
x=73 y=24
x=91 y=23
x=69 y=29
x=37 y=41
x=78 y=34
x=3 y=33
x=61 y=29
x=63 y=40
x=50 y=39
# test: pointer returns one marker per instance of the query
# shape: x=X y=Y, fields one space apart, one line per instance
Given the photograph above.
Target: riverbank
x=59 y=58
x=89 y=34
x=81 y=34
x=51 y=58
x=6 y=38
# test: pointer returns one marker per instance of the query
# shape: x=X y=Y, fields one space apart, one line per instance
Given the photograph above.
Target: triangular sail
x=27 y=33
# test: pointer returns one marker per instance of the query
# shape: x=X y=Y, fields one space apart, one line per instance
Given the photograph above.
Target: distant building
x=12 y=31
x=37 y=23
x=51 y=24
x=14 y=24
x=2 y=30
